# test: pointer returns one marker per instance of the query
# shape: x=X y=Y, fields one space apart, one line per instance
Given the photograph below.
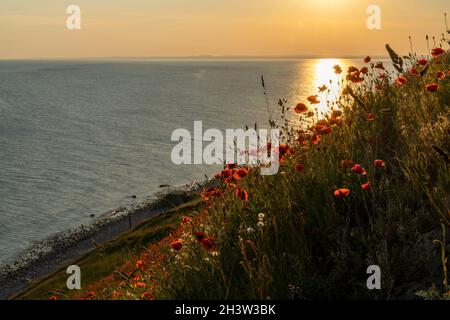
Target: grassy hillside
x=369 y=184
x=366 y=184
x=99 y=266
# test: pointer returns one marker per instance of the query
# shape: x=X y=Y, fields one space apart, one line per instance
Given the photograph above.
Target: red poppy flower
x=364 y=70
x=440 y=75
x=342 y=193
x=367 y=59
x=366 y=186
x=186 y=220
x=379 y=163
x=313 y=99
x=53 y=298
x=283 y=149
x=299 y=168
x=336 y=121
x=370 y=117
x=226 y=173
x=357 y=168
x=136 y=278
x=139 y=264
x=322 y=129
x=210 y=193
x=241 y=173
x=302 y=139
x=199 y=235
x=432 y=87
x=436 y=52
x=355 y=77
x=147 y=295
x=422 y=62
x=208 y=244
x=401 y=80
x=141 y=284
x=242 y=194
x=347 y=164
x=352 y=69
x=337 y=69
x=415 y=72
x=176 y=245
x=315 y=139
x=301 y=107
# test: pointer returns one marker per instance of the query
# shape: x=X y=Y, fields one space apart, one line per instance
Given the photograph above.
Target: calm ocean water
x=78 y=138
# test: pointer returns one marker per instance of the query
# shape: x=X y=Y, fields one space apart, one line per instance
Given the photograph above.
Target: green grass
x=107 y=258
x=293 y=239
x=315 y=246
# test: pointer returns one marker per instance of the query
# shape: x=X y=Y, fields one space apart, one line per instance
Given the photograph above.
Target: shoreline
x=53 y=253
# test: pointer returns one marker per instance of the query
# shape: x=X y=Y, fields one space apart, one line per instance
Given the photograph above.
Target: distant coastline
x=201 y=57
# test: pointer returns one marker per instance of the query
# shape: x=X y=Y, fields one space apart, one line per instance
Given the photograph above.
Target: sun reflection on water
x=324 y=75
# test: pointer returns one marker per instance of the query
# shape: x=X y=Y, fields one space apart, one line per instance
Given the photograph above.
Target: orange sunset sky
x=174 y=28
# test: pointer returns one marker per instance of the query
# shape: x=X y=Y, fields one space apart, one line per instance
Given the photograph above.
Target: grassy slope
x=315 y=246
x=310 y=244
x=107 y=258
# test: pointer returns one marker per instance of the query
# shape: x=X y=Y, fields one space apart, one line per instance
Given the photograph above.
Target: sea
x=81 y=137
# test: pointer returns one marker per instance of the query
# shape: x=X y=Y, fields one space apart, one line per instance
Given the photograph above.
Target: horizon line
x=204 y=57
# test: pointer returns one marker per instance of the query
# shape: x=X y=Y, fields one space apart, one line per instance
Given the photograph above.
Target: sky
x=180 y=28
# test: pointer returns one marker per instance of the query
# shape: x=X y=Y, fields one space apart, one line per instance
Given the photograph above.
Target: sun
x=324 y=4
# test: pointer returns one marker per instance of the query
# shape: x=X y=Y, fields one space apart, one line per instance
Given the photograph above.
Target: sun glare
x=321 y=4
x=325 y=76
